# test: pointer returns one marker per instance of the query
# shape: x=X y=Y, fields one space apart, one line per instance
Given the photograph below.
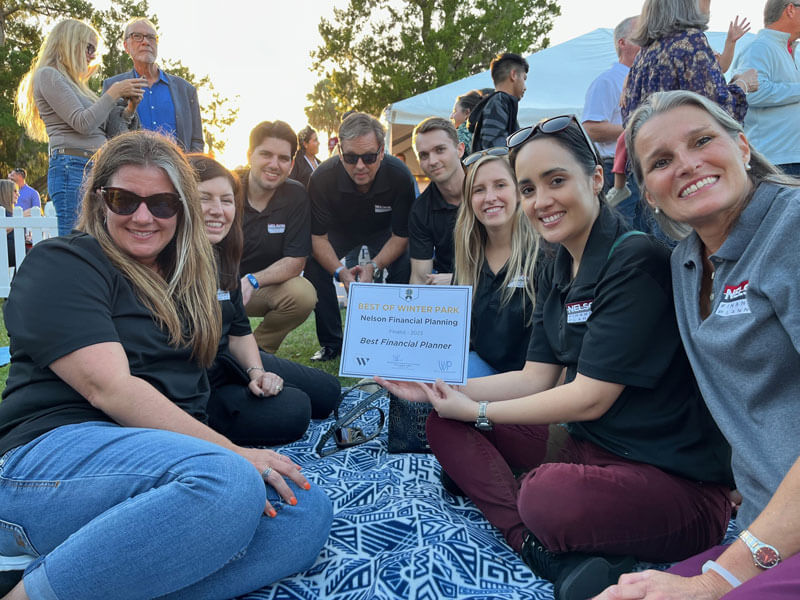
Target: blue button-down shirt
x=156 y=110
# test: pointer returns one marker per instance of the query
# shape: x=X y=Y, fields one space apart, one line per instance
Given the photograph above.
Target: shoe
x=575 y=576
x=326 y=353
x=449 y=485
x=9 y=579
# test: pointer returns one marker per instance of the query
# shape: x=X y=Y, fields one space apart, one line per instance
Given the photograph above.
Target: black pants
x=249 y=420
x=328 y=317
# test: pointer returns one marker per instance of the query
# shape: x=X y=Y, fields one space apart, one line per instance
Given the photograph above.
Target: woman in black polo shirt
x=257 y=399
x=643 y=472
x=495 y=253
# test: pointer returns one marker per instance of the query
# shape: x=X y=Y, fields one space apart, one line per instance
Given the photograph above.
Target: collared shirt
x=430 y=228
x=615 y=322
x=746 y=353
x=500 y=332
x=28 y=197
x=281 y=229
x=157 y=110
x=772 y=122
x=338 y=207
x=602 y=102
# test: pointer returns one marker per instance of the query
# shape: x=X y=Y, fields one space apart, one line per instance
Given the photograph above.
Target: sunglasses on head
x=496 y=151
x=549 y=126
x=351 y=158
x=124 y=202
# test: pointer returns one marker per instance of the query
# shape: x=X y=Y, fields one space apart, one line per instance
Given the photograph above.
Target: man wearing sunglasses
x=433 y=214
x=361 y=196
x=170 y=103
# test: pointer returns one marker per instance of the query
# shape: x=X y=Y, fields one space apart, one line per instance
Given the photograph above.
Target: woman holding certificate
x=643 y=472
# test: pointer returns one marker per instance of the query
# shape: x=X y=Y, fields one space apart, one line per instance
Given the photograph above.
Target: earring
x=657 y=210
x=747 y=167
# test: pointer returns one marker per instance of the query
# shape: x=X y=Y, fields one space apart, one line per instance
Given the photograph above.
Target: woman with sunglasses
x=257 y=399
x=495 y=252
x=642 y=472
x=735 y=270
x=110 y=482
x=55 y=104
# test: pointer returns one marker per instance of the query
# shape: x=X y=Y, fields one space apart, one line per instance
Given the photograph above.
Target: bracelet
x=375 y=267
x=253 y=281
x=746 y=85
x=710 y=565
x=254 y=369
x=336 y=273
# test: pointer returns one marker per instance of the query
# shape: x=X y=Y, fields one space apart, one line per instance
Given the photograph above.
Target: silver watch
x=482 y=422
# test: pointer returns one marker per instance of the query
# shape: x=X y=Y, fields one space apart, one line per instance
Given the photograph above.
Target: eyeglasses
x=496 y=151
x=124 y=202
x=550 y=126
x=139 y=37
x=351 y=158
x=91 y=49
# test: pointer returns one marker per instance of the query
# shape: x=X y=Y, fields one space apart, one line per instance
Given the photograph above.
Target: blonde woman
x=495 y=253
x=55 y=104
x=104 y=409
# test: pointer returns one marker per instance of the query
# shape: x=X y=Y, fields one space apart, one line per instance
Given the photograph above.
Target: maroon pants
x=592 y=501
x=779 y=583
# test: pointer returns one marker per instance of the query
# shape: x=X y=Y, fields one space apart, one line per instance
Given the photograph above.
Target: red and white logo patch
x=734 y=300
x=579 y=312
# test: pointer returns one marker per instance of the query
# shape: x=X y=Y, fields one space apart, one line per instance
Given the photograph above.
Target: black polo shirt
x=500 y=333
x=282 y=229
x=616 y=322
x=338 y=207
x=96 y=304
x=430 y=228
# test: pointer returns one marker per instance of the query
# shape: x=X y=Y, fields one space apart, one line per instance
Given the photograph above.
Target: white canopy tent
x=557 y=82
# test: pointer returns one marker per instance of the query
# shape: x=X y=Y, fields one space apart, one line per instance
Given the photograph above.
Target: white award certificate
x=407 y=332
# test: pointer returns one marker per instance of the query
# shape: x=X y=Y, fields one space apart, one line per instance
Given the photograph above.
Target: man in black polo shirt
x=277 y=237
x=433 y=215
x=360 y=197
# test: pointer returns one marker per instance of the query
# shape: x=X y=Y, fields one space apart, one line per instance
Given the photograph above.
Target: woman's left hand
x=266 y=384
x=449 y=403
x=656 y=585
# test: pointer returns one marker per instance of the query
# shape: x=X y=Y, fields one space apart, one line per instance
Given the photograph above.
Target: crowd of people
x=633 y=362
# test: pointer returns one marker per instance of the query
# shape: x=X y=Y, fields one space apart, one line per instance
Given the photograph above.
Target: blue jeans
x=477 y=367
x=64 y=180
x=124 y=513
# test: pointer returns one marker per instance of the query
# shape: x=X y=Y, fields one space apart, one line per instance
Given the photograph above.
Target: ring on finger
x=265 y=473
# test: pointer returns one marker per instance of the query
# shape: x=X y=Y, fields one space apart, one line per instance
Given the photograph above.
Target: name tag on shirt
x=223 y=295
x=382 y=209
x=276 y=227
x=579 y=312
x=734 y=300
x=518 y=282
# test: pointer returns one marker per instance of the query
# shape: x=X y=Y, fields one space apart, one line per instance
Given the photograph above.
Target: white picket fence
x=39 y=227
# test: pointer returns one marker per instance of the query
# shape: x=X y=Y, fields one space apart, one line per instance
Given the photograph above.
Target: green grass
x=298 y=346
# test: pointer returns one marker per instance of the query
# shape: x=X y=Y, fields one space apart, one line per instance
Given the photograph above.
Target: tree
x=375 y=52
x=324 y=112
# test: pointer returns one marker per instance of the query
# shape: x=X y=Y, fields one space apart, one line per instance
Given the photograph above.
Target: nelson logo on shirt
x=734 y=300
x=276 y=227
x=579 y=312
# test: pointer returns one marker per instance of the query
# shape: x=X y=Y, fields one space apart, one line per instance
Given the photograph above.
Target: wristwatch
x=764 y=555
x=253 y=281
x=482 y=422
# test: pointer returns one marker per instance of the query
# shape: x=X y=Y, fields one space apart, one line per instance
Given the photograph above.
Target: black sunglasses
x=549 y=126
x=496 y=151
x=124 y=202
x=351 y=158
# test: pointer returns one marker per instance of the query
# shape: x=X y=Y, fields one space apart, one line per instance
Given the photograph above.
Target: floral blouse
x=681 y=61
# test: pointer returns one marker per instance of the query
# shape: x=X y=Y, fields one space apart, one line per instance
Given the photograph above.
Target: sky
x=257 y=51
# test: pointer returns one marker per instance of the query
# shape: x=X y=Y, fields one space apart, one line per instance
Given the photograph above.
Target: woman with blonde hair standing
x=55 y=104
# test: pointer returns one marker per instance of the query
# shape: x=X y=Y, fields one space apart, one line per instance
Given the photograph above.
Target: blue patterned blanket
x=397 y=534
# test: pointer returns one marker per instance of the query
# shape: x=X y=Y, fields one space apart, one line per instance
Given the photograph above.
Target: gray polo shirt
x=746 y=354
